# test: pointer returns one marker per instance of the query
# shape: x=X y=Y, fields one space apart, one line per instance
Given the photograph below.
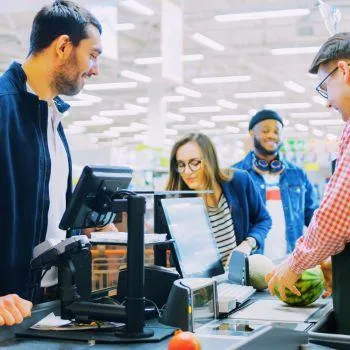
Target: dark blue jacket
x=299 y=198
x=249 y=215
x=24 y=178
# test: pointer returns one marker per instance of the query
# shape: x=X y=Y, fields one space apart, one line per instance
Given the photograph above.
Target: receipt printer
x=192 y=302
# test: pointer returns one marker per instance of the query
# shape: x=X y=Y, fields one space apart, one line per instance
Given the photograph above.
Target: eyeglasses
x=320 y=89
x=193 y=164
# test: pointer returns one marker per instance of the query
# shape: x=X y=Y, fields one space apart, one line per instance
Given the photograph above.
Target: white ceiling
x=247 y=51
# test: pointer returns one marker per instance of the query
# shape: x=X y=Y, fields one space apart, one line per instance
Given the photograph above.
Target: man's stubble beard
x=65 y=80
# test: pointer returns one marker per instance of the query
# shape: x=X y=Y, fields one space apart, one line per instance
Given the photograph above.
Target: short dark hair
x=336 y=47
x=61 y=17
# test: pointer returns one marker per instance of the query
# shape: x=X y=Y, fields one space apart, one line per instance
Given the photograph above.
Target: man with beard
x=36 y=177
x=285 y=188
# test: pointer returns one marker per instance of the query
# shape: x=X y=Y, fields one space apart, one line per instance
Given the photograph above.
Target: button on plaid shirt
x=329 y=229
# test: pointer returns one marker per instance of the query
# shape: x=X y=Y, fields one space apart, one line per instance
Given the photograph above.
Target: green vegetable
x=310 y=285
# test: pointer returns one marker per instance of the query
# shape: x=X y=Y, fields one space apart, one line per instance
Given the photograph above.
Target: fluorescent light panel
x=192 y=58
x=136 y=108
x=259 y=94
x=111 y=86
x=122 y=27
x=219 y=80
x=202 y=109
x=174 y=98
x=188 y=92
x=310 y=115
x=136 y=7
x=303 y=105
x=232 y=129
x=227 y=104
x=317 y=132
x=247 y=16
x=176 y=117
x=291 y=85
x=206 y=123
x=94 y=121
x=301 y=127
x=230 y=118
x=158 y=59
x=88 y=97
x=138 y=126
x=205 y=41
x=118 y=112
x=295 y=50
x=74 y=103
x=75 y=129
x=170 y=131
x=186 y=126
x=135 y=76
x=327 y=122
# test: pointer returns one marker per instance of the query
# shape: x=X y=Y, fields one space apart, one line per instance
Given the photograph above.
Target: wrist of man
x=251 y=241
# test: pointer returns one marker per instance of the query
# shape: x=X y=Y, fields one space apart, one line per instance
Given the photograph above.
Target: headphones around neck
x=275 y=166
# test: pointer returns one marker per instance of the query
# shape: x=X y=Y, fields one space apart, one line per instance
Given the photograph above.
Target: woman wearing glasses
x=237 y=214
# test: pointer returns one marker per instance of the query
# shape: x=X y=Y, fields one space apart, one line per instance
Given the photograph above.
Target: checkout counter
x=9 y=338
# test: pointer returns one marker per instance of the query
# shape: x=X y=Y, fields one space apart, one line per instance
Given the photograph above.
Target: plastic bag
x=331 y=16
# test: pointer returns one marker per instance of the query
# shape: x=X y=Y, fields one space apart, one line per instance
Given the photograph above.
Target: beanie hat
x=264 y=114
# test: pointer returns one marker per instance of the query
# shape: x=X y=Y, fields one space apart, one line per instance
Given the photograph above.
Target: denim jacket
x=249 y=215
x=24 y=178
x=299 y=198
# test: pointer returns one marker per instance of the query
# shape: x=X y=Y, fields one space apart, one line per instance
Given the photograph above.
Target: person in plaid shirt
x=329 y=230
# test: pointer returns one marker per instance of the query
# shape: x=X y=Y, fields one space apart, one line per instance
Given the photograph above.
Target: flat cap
x=335 y=48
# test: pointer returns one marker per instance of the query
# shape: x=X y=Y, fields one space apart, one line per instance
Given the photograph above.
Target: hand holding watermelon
x=281 y=279
x=311 y=286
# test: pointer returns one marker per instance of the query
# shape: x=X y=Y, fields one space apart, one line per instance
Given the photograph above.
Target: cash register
x=99 y=195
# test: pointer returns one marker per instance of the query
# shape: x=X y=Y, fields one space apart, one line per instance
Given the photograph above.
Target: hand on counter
x=282 y=277
x=13 y=309
x=326 y=266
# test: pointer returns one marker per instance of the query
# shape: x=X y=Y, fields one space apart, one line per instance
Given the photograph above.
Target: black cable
x=155 y=305
x=123 y=194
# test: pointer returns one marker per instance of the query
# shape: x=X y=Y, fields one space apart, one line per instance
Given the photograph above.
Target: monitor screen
x=81 y=209
x=194 y=245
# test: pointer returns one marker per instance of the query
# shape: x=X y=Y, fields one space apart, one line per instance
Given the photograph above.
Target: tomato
x=184 y=341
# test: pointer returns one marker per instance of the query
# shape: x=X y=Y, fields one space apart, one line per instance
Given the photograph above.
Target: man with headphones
x=289 y=196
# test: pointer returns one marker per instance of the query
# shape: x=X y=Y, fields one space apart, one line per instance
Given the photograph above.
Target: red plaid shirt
x=329 y=229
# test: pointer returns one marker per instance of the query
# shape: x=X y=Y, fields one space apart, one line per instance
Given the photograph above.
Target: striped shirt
x=223 y=229
x=329 y=229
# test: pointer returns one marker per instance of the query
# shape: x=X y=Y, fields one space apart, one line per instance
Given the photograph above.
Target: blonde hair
x=212 y=172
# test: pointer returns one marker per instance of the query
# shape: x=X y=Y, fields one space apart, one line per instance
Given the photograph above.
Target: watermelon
x=311 y=285
x=259 y=266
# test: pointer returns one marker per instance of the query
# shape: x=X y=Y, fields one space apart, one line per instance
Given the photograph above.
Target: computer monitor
x=194 y=245
x=94 y=180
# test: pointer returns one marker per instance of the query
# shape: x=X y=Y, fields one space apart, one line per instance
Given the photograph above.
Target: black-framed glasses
x=193 y=164
x=320 y=89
